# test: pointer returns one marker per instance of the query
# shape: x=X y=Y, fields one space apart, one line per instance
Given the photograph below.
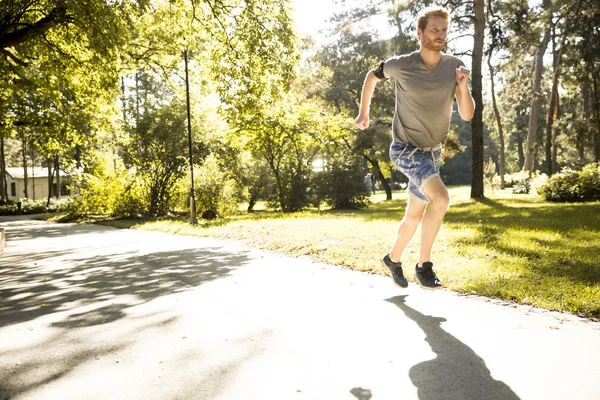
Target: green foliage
x=293 y=188
x=343 y=64
x=254 y=54
x=523 y=183
x=289 y=139
x=110 y=194
x=36 y=207
x=255 y=175
x=522 y=187
x=573 y=186
x=58 y=63
x=157 y=148
x=341 y=185
x=216 y=194
x=456 y=167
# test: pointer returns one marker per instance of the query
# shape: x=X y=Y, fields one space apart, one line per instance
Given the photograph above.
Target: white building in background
x=37 y=183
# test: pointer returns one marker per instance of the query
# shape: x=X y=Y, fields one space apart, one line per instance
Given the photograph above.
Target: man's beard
x=432 y=44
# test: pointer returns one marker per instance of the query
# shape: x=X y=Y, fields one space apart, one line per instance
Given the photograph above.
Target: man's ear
x=419 y=33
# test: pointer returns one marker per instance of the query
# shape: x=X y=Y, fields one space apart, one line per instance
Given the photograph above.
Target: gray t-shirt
x=423 y=98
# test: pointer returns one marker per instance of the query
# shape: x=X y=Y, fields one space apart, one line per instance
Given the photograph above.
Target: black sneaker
x=396 y=270
x=426 y=276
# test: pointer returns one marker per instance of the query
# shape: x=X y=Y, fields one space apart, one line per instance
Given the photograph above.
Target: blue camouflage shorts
x=419 y=165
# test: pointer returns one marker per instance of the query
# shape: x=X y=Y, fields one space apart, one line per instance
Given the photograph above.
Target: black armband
x=379 y=71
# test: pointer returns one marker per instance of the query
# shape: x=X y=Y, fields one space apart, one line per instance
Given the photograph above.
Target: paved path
x=91 y=312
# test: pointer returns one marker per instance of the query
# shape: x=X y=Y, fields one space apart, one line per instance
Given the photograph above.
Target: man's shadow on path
x=457 y=372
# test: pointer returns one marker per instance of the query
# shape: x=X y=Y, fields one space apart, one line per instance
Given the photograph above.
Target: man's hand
x=466 y=105
x=462 y=76
x=362 y=122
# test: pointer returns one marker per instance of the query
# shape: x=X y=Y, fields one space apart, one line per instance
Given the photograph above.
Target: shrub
x=519 y=182
x=216 y=194
x=537 y=181
x=36 y=207
x=573 y=186
x=522 y=183
x=130 y=201
x=342 y=186
x=116 y=194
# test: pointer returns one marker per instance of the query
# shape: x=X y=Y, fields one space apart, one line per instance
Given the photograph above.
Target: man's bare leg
x=439 y=200
x=411 y=220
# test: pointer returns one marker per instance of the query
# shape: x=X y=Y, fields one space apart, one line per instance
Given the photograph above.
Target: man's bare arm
x=466 y=105
x=362 y=121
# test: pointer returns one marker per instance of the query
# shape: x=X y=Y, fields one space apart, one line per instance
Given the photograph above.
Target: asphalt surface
x=92 y=312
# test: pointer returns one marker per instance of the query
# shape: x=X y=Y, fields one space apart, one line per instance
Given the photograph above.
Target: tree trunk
x=498 y=121
x=3 y=182
x=377 y=170
x=596 y=135
x=555 y=166
x=124 y=124
x=251 y=203
x=27 y=32
x=536 y=103
x=552 y=114
x=24 y=150
x=280 y=195
x=553 y=107
x=50 y=179
x=137 y=98
x=33 y=174
x=477 y=122
x=57 y=170
x=519 y=139
x=585 y=115
x=379 y=175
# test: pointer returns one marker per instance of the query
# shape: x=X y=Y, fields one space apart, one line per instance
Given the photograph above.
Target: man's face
x=434 y=35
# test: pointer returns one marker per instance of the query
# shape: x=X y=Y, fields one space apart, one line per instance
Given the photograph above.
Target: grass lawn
x=512 y=247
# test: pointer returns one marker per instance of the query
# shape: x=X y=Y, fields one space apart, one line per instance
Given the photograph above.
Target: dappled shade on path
x=48 y=283
x=75 y=281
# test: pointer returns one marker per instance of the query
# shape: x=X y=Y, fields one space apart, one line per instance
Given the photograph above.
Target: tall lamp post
x=193 y=217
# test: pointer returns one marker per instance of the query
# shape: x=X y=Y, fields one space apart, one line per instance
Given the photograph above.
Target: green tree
x=588 y=46
x=496 y=36
x=156 y=148
x=58 y=61
x=289 y=139
x=545 y=22
x=345 y=61
x=242 y=51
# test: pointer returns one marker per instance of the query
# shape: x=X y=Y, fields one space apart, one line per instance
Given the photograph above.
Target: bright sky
x=312 y=16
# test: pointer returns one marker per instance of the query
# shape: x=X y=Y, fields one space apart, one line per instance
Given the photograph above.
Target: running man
x=427 y=81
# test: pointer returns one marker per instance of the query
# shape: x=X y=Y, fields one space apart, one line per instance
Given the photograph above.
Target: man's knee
x=412 y=218
x=437 y=194
x=440 y=200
